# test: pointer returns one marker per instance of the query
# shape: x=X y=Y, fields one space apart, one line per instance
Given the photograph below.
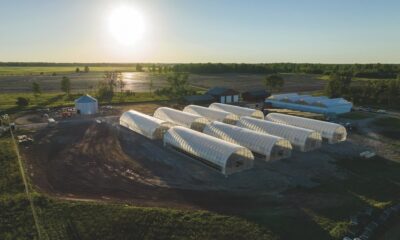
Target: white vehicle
x=381 y=111
x=367 y=154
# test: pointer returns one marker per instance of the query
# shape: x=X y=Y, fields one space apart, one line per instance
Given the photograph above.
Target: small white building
x=86 y=105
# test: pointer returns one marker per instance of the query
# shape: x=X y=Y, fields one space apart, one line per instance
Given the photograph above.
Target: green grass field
x=356 y=115
x=8 y=100
x=390 y=128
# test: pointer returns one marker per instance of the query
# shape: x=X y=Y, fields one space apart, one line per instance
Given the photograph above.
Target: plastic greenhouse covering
x=301 y=138
x=240 y=111
x=185 y=119
x=143 y=124
x=223 y=156
x=212 y=114
x=333 y=132
x=272 y=147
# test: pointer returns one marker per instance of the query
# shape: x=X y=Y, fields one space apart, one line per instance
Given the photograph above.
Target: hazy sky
x=327 y=31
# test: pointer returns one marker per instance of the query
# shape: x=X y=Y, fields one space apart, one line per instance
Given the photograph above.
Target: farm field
x=314 y=194
x=48 y=70
x=139 y=81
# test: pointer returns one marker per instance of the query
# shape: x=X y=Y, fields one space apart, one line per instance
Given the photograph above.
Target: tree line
x=381 y=71
x=373 y=70
x=384 y=92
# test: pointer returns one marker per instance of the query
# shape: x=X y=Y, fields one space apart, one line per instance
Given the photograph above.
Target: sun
x=126 y=25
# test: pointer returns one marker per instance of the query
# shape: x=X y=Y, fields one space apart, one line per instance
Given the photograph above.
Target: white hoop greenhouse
x=185 y=119
x=212 y=114
x=223 y=156
x=333 y=132
x=240 y=111
x=143 y=124
x=272 y=147
x=301 y=138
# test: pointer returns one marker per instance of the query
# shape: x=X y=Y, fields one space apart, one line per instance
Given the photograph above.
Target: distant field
x=294 y=82
x=59 y=69
x=81 y=82
x=139 y=81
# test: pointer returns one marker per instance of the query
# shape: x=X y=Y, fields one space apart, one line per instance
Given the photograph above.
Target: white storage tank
x=86 y=105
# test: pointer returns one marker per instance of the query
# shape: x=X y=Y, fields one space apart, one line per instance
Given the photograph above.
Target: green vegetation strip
x=356 y=115
x=388 y=122
x=26 y=186
x=8 y=100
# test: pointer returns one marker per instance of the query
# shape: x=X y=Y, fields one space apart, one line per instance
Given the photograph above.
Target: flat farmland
x=140 y=81
x=81 y=82
x=293 y=82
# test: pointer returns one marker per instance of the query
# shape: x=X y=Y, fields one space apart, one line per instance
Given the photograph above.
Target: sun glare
x=126 y=25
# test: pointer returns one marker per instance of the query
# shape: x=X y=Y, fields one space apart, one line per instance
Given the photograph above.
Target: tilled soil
x=85 y=159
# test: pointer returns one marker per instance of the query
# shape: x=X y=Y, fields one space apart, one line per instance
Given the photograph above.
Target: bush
x=22 y=102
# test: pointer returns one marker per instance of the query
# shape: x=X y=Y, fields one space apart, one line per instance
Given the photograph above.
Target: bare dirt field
x=243 y=82
x=139 y=81
x=86 y=159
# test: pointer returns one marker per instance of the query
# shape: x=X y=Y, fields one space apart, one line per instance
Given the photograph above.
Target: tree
x=86 y=69
x=22 y=102
x=66 y=85
x=151 y=85
x=153 y=68
x=120 y=81
x=77 y=70
x=105 y=88
x=36 y=89
x=338 y=85
x=139 y=68
x=177 y=85
x=274 y=82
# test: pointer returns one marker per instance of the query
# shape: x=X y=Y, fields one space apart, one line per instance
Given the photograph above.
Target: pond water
x=140 y=81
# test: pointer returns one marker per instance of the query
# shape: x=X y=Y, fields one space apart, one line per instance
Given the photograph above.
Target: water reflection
x=140 y=81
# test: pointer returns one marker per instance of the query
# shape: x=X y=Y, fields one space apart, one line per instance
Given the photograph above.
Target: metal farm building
x=333 y=132
x=212 y=114
x=309 y=103
x=272 y=147
x=223 y=156
x=240 y=111
x=301 y=138
x=143 y=124
x=185 y=119
x=86 y=105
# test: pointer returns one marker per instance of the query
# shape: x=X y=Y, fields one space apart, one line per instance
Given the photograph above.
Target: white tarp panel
x=240 y=111
x=333 y=132
x=212 y=114
x=185 y=119
x=143 y=124
x=221 y=155
x=301 y=138
x=272 y=147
